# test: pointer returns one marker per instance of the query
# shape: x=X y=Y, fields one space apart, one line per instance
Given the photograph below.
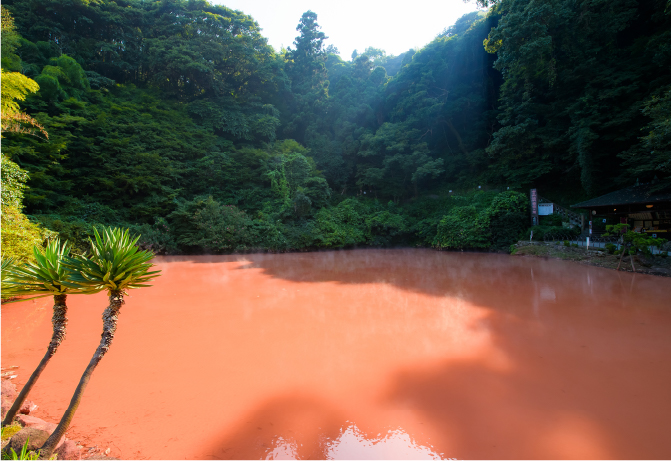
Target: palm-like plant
x=5 y=269
x=47 y=276
x=115 y=264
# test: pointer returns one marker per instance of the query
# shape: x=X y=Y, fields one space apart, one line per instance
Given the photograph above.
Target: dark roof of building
x=627 y=196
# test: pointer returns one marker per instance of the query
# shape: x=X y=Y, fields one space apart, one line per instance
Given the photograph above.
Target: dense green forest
x=177 y=119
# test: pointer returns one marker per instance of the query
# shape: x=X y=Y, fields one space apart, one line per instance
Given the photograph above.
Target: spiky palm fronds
x=115 y=263
x=46 y=276
x=5 y=270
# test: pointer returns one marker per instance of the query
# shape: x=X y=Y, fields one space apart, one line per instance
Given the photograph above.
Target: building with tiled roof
x=643 y=208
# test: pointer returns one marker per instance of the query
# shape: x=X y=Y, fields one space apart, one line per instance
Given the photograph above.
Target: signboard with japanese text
x=545 y=209
x=534 y=207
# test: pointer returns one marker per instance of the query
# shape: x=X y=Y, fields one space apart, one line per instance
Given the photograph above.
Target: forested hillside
x=177 y=119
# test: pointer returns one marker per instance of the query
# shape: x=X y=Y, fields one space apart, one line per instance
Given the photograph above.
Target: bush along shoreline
x=482 y=221
x=638 y=262
x=230 y=146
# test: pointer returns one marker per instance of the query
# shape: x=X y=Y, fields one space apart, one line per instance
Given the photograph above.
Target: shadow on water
x=257 y=436
x=578 y=365
x=490 y=280
x=310 y=429
x=571 y=398
x=571 y=402
x=574 y=397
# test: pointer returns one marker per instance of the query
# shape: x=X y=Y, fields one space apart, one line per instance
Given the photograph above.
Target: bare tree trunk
x=60 y=322
x=631 y=258
x=621 y=256
x=110 y=317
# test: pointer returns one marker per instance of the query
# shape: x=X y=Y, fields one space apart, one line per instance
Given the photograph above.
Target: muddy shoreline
x=657 y=265
x=67 y=449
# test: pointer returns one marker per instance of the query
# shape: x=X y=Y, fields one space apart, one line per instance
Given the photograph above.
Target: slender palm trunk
x=60 y=322
x=110 y=317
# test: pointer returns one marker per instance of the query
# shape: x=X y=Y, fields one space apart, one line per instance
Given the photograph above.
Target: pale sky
x=350 y=24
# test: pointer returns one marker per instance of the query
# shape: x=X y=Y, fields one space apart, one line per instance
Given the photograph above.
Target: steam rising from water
x=367 y=354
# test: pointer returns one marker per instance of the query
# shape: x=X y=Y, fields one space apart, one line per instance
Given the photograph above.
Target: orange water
x=365 y=354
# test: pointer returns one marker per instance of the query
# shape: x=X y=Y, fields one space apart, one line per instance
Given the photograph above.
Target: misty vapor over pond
x=368 y=353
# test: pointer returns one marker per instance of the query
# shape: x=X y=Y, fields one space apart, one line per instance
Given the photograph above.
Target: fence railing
x=571 y=216
x=594 y=242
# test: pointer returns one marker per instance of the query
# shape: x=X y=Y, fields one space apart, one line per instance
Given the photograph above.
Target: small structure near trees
x=643 y=208
x=638 y=216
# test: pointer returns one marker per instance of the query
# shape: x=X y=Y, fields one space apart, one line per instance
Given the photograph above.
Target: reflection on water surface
x=353 y=444
x=367 y=354
x=395 y=444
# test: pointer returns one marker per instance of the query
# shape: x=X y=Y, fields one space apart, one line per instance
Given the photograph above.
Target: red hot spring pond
x=364 y=354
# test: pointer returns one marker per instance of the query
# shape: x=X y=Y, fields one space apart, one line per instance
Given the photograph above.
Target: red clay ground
x=365 y=354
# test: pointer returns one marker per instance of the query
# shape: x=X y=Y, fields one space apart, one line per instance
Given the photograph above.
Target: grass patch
x=9 y=431
x=572 y=253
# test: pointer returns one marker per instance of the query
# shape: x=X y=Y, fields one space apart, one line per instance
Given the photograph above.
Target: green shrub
x=482 y=220
x=19 y=235
x=270 y=235
x=340 y=226
x=385 y=228
x=463 y=227
x=207 y=225
x=13 y=183
x=73 y=229
x=157 y=238
x=567 y=243
x=553 y=220
x=508 y=218
x=297 y=235
x=611 y=248
x=507 y=228
x=542 y=233
x=426 y=230
x=634 y=241
x=92 y=212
